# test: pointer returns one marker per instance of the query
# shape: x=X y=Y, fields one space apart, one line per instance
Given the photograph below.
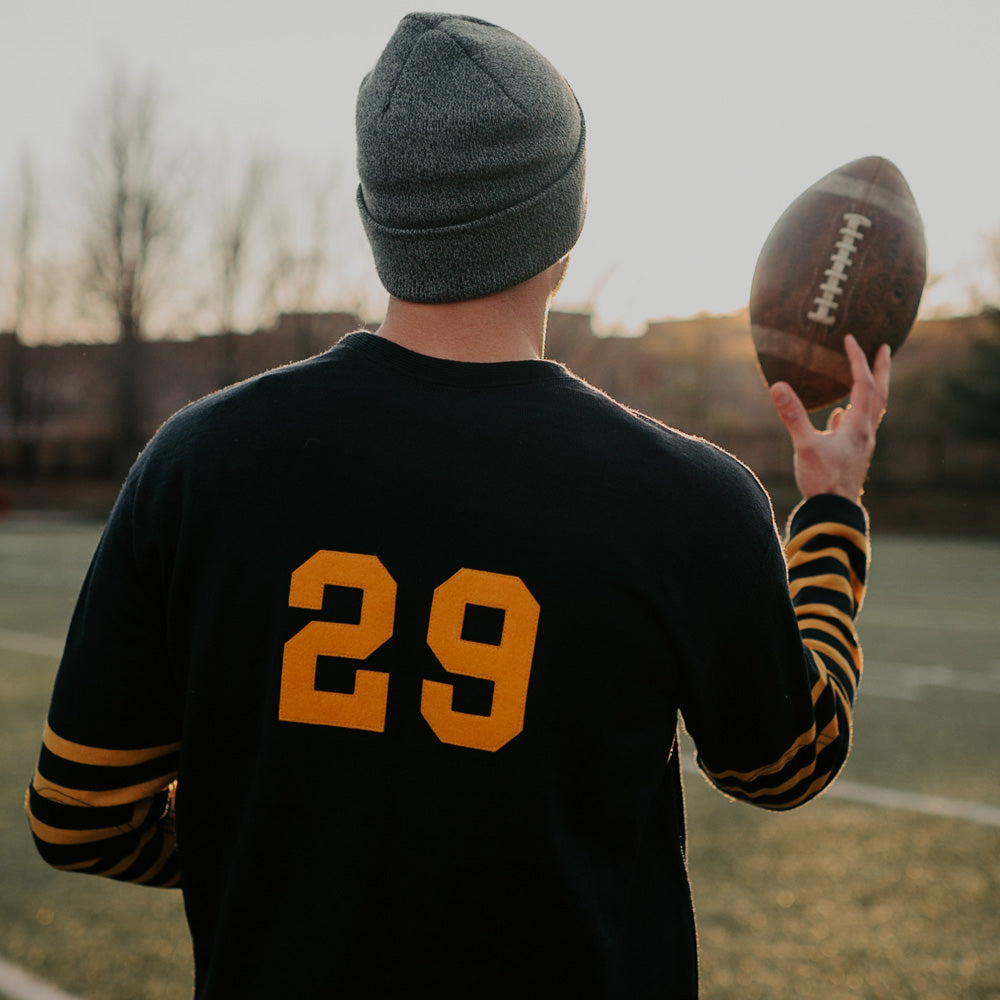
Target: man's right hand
x=836 y=460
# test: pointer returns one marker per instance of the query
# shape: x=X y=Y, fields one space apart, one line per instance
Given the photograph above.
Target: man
x=411 y=622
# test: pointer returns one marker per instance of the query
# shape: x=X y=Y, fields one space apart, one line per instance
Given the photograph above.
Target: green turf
x=837 y=900
x=94 y=937
x=842 y=900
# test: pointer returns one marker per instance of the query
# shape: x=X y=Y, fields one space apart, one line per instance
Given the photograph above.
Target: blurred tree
x=234 y=219
x=970 y=400
x=298 y=248
x=25 y=235
x=132 y=207
x=24 y=280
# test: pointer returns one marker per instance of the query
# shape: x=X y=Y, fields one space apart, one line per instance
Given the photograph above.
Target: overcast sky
x=704 y=118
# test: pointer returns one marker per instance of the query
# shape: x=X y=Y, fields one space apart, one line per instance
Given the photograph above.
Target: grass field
x=839 y=899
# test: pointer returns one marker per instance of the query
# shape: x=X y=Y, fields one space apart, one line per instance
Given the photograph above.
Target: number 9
x=508 y=664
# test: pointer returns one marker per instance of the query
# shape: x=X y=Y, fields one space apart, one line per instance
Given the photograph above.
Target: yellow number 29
x=507 y=664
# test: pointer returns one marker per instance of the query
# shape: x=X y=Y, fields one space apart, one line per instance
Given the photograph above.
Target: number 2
x=300 y=701
x=507 y=664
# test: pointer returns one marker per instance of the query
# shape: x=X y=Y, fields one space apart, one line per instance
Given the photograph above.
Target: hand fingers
x=862 y=382
x=791 y=411
x=870 y=389
x=881 y=373
x=834 y=422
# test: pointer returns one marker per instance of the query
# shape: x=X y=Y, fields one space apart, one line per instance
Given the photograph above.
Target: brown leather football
x=847 y=256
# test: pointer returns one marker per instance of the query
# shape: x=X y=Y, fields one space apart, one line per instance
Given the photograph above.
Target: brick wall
x=57 y=401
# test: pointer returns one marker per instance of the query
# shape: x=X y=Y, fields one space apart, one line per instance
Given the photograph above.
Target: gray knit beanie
x=471 y=154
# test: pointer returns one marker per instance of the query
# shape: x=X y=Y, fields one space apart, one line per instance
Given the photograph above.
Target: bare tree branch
x=132 y=202
x=24 y=242
x=234 y=222
x=299 y=249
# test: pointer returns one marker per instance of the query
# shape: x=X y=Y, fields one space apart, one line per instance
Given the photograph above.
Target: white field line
x=929 y=805
x=16 y=984
x=24 y=575
x=29 y=642
x=932 y=619
x=894 y=798
x=908 y=681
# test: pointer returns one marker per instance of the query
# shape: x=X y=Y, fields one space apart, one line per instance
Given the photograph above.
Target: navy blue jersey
x=381 y=657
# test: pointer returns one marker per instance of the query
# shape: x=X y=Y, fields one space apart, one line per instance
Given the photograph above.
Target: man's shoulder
x=208 y=429
x=644 y=432
x=262 y=397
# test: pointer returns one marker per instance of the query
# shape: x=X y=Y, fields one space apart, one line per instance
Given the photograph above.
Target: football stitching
x=840 y=261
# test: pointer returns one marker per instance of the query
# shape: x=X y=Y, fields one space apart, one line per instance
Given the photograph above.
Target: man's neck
x=508 y=326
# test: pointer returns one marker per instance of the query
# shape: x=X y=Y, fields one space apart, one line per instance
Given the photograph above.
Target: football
x=847 y=256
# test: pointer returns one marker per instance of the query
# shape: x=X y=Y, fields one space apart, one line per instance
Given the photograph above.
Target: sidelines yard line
x=909 y=681
x=30 y=642
x=930 y=618
x=894 y=798
x=58 y=577
x=931 y=805
x=16 y=984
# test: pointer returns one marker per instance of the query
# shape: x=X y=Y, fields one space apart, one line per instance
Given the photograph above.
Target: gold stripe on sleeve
x=823 y=780
x=824 y=682
x=834 y=631
x=166 y=853
x=78 y=753
x=76 y=866
x=852 y=670
x=826 y=581
x=774 y=790
x=101 y=798
x=804 y=740
x=805 y=556
x=825 y=611
x=62 y=836
x=69 y=836
x=129 y=859
x=830 y=732
x=827 y=736
x=832 y=528
x=803 y=559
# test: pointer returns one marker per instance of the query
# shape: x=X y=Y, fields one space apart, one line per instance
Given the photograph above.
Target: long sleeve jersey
x=381 y=657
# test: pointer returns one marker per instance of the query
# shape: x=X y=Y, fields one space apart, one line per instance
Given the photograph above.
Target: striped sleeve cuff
x=827 y=554
x=106 y=812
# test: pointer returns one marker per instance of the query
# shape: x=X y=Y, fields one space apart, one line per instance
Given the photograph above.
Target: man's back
x=523 y=566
